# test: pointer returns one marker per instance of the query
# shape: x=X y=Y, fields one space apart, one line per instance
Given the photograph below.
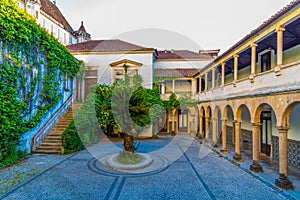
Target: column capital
x=253 y=44
x=279 y=29
x=224 y=119
x=236 y=56
x=223 y=63
x=256 y=124
x=282 y=128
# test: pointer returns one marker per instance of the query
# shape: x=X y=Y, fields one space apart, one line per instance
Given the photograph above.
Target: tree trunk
x=128 y=143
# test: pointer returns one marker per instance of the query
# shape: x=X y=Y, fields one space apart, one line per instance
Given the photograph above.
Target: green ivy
x=32 y=65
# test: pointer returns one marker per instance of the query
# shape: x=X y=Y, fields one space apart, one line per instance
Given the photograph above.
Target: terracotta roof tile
x=51 y=9
x=105 y=46
x=182 y=54
x=178 y=73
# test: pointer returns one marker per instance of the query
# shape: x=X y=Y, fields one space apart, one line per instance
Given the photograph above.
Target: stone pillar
x=279 y=31
x=173 y=86
x=253 y=62
x=162 y=87
x=201 y=127
x=236 y=69
x=200 y=84
x=223 y=73
x=224 y=149
x=283 y=181
x=255 y=167
x=194 y=87
x=215 y=124
x=206 y=81
x=213 y=72
x=207 y=119
x=237 y=157
x=173 y=121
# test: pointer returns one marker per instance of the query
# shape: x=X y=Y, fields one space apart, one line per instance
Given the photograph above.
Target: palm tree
x=130 y=110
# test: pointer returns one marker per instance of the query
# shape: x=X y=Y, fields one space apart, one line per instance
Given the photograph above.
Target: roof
x=122 y=63
x=178 y=73
x=106 y=46
x=182 y=54
x=52 y=10
x=82 y=28
x=264 y=25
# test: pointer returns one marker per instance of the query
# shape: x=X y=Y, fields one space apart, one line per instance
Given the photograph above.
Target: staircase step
x=53 y=137
x=48 y=151
x=52 y=143
x=49 y=148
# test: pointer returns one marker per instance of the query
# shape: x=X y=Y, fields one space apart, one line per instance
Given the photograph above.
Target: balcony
x=264 y=84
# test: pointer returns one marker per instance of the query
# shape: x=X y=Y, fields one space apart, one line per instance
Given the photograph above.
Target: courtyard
x=183 y=168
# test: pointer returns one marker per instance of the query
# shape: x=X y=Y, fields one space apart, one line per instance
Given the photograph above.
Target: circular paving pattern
x=113 y=163
x=99 y=165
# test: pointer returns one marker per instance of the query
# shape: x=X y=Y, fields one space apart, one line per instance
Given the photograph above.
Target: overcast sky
x=177 y=24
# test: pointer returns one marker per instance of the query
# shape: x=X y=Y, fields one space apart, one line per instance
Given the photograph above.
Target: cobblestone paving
x=196 y=174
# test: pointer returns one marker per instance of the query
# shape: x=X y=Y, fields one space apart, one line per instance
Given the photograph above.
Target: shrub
x=83 y=130
x=70 y=139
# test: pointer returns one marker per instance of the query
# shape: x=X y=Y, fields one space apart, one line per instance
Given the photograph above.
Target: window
x=266 y=62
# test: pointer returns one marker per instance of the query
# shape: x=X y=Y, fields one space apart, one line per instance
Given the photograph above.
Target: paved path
x=183 y=169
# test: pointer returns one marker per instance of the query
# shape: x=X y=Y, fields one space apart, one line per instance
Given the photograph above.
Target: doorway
x=266 y=132
x=182 y=120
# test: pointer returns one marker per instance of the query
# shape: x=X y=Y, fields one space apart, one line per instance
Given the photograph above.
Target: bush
x=70 y=139
x=84 y=129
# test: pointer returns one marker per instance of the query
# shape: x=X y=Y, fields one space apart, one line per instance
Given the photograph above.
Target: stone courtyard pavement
x=182 y=169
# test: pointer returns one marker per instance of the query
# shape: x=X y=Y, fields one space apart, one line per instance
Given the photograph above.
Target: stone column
x=279 y=31
x=207 y=119
x=237 y=157
x=173 y=86
x=255 y=167
x=253 y=62
x=206 y=81
x=213 y=72
x=283 y=181
x=173 y=121
x=162 y=87
x=194 y=87
x=224 y=149
x=236 y=68
x=215 y=138
x=201 y=127
x=223 y=73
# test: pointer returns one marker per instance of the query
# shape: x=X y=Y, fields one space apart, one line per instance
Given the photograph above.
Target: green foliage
x=83 y=130
x=86 y=121
x=187 y=101
x=70 y=139
x=172 y=103
x=129 y=158
x=104 y=113
x=32 y=64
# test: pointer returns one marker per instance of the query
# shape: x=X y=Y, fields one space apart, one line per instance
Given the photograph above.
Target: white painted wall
x=103 y=61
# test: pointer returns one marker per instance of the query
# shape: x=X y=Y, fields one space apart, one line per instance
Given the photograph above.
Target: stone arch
x=239 y=111
x=216 y=110
x=208 y=111
x=225 y=111
x=285 y=122
x=201 y=111
x=258 y=111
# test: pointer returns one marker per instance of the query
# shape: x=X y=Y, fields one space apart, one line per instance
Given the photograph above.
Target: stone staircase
x=52 y=142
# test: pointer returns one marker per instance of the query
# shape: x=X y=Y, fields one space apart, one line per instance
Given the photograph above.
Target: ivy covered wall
x=33 y=71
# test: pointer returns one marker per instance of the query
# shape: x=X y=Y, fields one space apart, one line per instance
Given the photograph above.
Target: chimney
x=54 y=2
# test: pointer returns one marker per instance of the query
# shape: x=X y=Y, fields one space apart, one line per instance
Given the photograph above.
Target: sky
x=171 y=24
